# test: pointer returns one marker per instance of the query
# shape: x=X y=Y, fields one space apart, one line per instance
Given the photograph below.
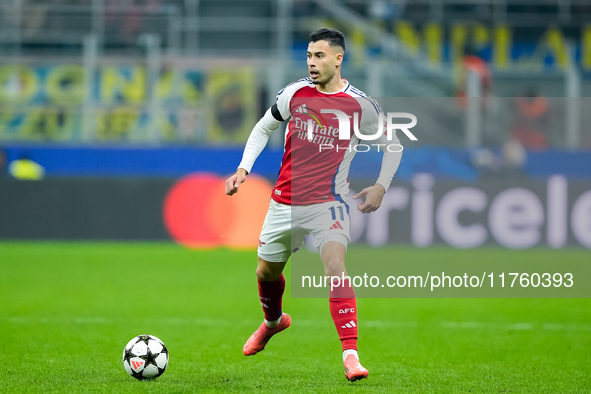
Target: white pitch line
x=567 y=327
x=487 y=325
x=369 y=324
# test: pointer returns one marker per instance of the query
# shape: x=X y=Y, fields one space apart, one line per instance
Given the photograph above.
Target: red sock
x=271 y=295
x=344 y=315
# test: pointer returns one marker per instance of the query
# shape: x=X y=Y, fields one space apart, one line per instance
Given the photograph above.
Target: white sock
x=273 y=323
x=350 y=351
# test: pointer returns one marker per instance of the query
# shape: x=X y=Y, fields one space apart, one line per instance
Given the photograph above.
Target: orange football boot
x=260 y=337
x=353 y=369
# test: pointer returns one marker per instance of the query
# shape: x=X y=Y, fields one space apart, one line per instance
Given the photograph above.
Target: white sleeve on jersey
x=268 y=124
x=391 y=147
x=258 y=140
x=284 y=96
x=283 y=101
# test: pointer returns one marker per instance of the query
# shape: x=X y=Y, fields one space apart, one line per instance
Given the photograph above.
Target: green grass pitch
x=68 y=309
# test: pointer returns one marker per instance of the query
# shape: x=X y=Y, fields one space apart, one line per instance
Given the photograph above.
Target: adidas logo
x=136 y=364
x=335 y=226
x=351 y=324
x=302 y=109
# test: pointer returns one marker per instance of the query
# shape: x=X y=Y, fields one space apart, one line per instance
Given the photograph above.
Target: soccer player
x=311 y=191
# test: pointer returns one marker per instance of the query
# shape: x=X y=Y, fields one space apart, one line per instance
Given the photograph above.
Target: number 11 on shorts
x=334 y=213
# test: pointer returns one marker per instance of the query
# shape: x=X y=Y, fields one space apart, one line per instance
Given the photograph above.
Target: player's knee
x=263 y=274
x=266 y=273
x=334 y=266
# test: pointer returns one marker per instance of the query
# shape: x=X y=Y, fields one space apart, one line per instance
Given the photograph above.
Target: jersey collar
x=347 y=85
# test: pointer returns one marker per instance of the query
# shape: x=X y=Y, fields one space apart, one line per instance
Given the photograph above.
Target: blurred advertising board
x=516 y=214
x=61 y=103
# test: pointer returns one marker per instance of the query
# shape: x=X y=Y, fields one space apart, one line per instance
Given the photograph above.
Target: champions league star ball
x=145 y=357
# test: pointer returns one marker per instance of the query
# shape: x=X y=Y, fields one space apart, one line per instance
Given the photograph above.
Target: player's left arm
x=254 y=146
x=277 y=114
x=373 y=198
x=392 y=154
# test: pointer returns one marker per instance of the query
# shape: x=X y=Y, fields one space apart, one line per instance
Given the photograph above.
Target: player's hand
x=373 y=198
x=233 y=182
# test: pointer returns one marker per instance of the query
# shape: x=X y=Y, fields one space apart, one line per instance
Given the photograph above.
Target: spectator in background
x=531 y=115
x=35 y=21
x=385 y=11
x=510 y=159
x=2 y=163
x=123 y=19
x=303 y=8
x=514 y=157
x=472 y=61
x=26 y=169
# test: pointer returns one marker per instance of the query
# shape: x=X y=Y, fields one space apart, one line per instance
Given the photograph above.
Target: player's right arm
x=233 y=182
x=254 y=146
x=279 y=112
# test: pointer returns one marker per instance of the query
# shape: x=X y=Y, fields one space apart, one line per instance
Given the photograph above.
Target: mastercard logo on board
x=198 y=214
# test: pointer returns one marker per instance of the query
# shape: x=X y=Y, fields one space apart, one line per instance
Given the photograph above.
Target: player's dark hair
x=334 y=37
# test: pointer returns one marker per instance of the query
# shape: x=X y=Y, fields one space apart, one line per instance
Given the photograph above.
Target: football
x=145 y=357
